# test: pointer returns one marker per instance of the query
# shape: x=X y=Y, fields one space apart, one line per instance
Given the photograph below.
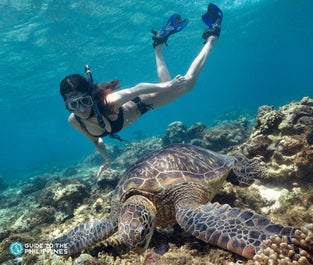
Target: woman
x=99 y=110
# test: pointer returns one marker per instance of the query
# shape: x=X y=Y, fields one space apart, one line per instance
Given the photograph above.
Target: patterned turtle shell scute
x=161 y=169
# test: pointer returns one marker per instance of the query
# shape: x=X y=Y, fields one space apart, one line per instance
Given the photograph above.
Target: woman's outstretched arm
x=97 y=141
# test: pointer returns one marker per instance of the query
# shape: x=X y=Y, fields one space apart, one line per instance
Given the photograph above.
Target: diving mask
x=73 y=104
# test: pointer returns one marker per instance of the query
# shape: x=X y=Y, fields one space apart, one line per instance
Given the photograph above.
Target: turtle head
x=237 y=178
x=245 y=171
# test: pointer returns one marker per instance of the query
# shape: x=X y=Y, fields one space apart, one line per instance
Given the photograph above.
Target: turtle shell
x=172 y=165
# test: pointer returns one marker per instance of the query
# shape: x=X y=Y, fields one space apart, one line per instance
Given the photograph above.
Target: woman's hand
x=104 y=167
x=178 y=82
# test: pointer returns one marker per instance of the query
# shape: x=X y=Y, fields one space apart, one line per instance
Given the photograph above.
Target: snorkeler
x=98 y=110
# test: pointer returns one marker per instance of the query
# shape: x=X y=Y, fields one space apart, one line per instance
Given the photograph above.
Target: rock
x=70 y=172
x=196 y=130
x=86 y=259
x=227 y=134
x=268 y=120
x=108 y=178
x=134 y=151
x=284 y=139
x=36 y=184
x=34 y=218
x=176 y=132
x=64 y=198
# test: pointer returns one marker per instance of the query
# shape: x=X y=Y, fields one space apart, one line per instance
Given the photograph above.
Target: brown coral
x=283 y=138
x=277 y=250
x=64 y=198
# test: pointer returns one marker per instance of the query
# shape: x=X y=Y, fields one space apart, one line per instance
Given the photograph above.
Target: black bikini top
x=116 y=125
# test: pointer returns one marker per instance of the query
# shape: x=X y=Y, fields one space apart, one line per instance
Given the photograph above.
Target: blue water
x=264 y=56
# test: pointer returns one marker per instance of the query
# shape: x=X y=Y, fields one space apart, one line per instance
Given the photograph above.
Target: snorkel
x=92 y=93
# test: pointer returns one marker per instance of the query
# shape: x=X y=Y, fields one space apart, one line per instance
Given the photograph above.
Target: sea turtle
x=176 y=184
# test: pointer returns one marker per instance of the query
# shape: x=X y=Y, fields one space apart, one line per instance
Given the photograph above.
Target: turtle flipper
x=84 y=236
x=173 y=25
x=241 y=232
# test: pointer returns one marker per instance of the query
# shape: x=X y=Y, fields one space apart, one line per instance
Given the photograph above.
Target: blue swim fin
x=213 y=18
x=173 y=25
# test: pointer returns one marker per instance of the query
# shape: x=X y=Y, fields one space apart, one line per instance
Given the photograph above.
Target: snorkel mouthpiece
x=92 y=93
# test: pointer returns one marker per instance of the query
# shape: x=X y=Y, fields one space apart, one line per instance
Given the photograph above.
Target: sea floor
x=25 y=218
x=43 y=207
x=32 y=215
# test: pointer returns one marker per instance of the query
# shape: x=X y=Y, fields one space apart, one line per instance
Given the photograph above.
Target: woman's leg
x=173 y=25
x=161 y=98
x=162 y=70
x=213 y=18
x=199 y=62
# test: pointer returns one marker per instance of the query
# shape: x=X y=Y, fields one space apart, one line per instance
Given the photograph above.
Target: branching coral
x=278 y=251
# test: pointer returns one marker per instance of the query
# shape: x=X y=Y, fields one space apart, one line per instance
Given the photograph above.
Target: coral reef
x=227 y=134
x=64 y=198
x=49 y=205
x=5 y=244
x=35 y=184
x=283 y=138
x=277 y=250
x=33 y=218
x=108 y=178
x=221 y=137
x=176 y=132
x=134 y=151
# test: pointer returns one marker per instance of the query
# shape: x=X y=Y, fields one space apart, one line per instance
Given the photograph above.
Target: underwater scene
x=221 y=175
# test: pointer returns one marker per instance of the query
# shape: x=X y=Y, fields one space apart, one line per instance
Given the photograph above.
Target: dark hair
x=73 y=83
x=76 y=82
x=100 y=95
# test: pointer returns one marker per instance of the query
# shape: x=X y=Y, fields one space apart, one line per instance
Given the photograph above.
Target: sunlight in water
x=223 y=4
x=236 y=4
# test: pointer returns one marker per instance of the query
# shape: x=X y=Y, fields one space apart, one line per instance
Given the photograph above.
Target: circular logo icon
x=16 y=248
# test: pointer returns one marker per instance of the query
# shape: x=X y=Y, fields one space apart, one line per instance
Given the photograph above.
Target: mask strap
x=92 y=92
